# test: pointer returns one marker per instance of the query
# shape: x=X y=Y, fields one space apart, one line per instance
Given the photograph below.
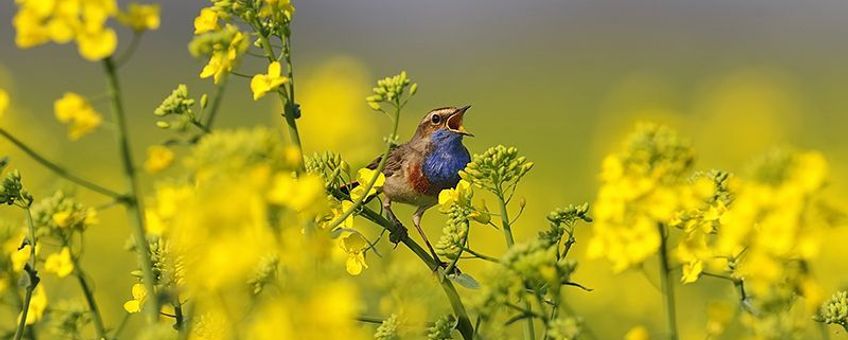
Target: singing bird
x=428 y=163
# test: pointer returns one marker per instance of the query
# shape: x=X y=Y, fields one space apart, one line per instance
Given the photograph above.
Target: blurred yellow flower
x=75 y=110
x=140 y=17
x=264 y=83
x=301 y=194
x=139 y=295
x=159 y=157
x=95 y=45
x=37 y=306
x=363 y=176
x=4 y=102
x=38 y=22
x=62 y=219
x=60 y=263
x=637 y=333
x=20 y=257
x=354 y=246
x=337 y=120
x=206 y=21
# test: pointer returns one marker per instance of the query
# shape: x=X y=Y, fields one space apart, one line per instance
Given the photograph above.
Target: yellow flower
x=139 y=295
x=637 y=333
x=61 y=263
x=206 y=21
x=63 y=219
x=692 y=271
x=19 y=257
x=4 y=102
x=94 y=45
x=73 y=109
x=140 y=17
x=298 y=194
x=459 y=195
x=37 y=305
x=264 y=83
x=159 y=158
x=355 y=245
x=364 y=176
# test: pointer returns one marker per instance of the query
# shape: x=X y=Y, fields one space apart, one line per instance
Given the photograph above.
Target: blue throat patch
x=447 y=157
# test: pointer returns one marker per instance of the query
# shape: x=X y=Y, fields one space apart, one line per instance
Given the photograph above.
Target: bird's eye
x=436 y=119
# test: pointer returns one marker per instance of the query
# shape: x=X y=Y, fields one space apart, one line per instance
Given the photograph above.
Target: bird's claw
x=398 y=234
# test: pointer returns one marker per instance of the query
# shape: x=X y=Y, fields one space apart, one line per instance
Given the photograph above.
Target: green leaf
x=465 y=280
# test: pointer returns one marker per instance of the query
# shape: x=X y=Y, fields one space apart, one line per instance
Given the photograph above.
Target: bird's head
x=446 y=119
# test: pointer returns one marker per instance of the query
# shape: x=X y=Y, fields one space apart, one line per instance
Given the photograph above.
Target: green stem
x=505 y=224
x=58 y=169
x=529 y=326
x=667 y=284
x=89 y=298
x=33 y=276
x=289 y=105
x=132 y=202
x=216 y=104
x=120 y=329
x=463 y=321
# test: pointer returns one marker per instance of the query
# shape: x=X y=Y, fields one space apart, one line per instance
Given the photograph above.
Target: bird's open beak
x=455 y=121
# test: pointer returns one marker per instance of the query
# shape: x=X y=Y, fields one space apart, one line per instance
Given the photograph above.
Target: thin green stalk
x=132 y=202
x=89 y=298
x=123 y=324
x=58 y=169
x=529 y=326
x=33 y=275
x=216 y=104
x=289 y=105
x=667 y=285
x=505 y=225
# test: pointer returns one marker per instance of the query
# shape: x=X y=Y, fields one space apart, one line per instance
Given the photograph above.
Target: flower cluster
x=76 y=111
x=83 y=21
x=224 y=48
x=245 y=198
x=644 y=186
x=497 y=170
x=392 y=90
x=835 y=310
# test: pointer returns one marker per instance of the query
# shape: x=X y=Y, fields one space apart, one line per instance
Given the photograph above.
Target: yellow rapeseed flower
x=363 y=176
x=459 y=195
x=301 y=194
x=354 y=246
x=38 y=22
x=60 y=263
x=37 y=306
x=95 y=45
x=159 y=158
x=206 y=21
x=20 y=257
x=140 y=17
x=264 y=83
x=139 y=295
x=75 y=110
x=637 y=333
x=4 y=101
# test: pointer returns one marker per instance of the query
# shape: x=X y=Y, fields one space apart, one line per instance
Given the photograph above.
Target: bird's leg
x=416 y=220
x=399 y=232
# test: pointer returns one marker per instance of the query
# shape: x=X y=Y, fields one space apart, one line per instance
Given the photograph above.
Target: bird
x=416 y=171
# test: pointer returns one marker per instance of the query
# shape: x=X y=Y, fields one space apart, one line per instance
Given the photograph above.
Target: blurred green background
x=561 y=80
